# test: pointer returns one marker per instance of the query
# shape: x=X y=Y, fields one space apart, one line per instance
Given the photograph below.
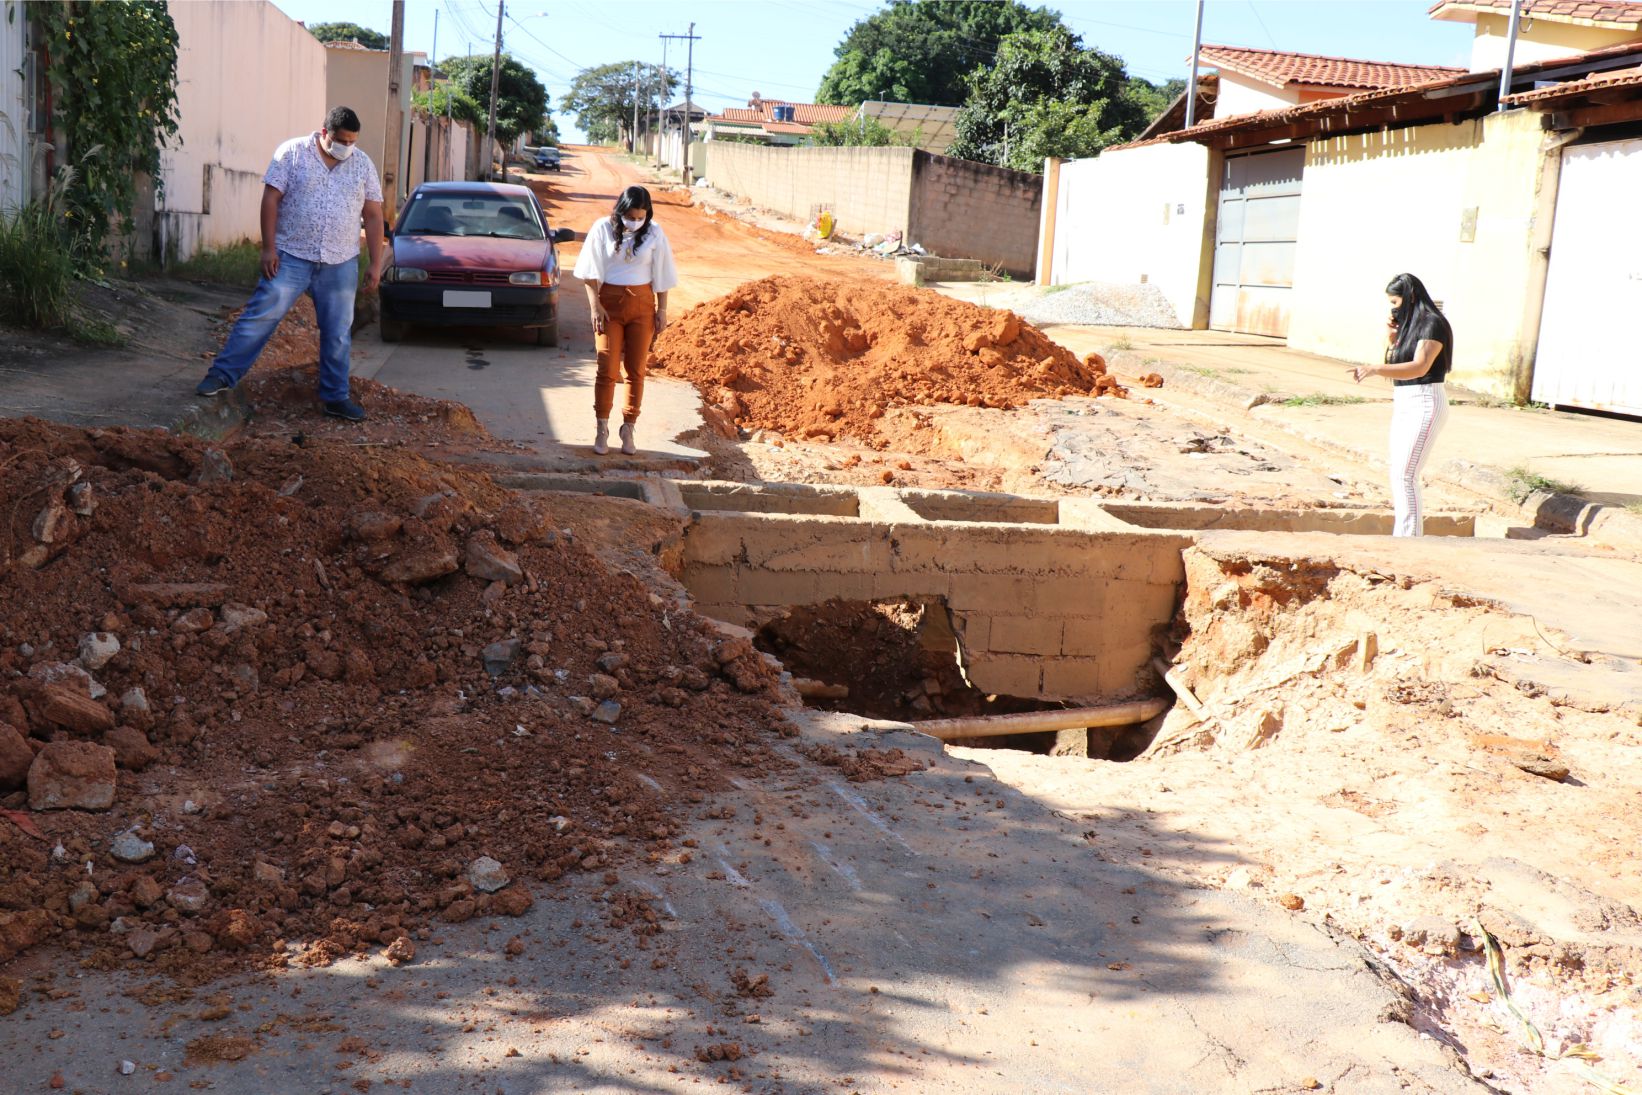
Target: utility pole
x=689 y=107
x=433 y=72
x=661 y=107
x=394 y=121
x=495 y=88
x=1191 y=84
x=635 y=108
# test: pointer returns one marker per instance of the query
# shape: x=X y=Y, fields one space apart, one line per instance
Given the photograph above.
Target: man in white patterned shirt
x=313 y=196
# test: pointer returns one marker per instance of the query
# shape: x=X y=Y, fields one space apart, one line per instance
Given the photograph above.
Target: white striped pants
x=1418 y=412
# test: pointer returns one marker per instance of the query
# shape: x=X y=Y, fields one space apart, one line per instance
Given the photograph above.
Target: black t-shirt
x=1435 y=328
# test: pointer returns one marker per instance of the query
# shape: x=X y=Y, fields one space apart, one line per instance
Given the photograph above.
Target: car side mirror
x=564 y=235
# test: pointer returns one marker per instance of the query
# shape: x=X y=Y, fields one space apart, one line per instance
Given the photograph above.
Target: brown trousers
x=628 y=331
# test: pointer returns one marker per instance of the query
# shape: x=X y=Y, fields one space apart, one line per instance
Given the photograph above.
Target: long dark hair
x=634 y=197
x=1416 y=318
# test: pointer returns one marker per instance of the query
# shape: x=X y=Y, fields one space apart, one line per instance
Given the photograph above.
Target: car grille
x=467 y=277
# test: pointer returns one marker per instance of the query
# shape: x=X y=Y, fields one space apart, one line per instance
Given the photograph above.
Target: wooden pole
x=1034 y=722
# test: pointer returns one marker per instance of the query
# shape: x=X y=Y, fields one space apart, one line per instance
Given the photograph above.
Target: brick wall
x=867 y=189
x=974 y=210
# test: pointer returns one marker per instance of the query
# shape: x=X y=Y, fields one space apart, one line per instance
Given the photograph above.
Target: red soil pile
x=818 y=357
x=332 y=679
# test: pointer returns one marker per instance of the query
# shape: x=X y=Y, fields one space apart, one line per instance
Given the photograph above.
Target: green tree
x=866 y=132
x=602 y=97
x=447 y=98
x=921 y=52
x=521 y=100
x=349 y=32
x=1150 y=99
x=1045 y=96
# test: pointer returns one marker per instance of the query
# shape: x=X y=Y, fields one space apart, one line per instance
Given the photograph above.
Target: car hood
x=469 y=253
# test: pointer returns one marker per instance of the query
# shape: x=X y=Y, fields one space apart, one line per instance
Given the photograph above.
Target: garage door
x=1255 y=242
x=1589 y=355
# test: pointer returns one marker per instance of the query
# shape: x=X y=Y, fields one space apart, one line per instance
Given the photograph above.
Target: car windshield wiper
x=427 y=232
x=506 y=236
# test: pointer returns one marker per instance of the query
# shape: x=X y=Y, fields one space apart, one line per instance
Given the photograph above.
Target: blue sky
x=781 y=48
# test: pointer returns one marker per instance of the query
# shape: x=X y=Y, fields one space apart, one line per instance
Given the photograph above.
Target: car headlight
x=406 y=273
x=525 y=277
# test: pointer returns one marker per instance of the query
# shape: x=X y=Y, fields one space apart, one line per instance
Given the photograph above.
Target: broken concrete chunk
x=235 y=616
x=129 y=847
x=1544 y=767
x=97 y=649
x=215 y=467
x=489 y=561
x=607 y=712
x=1432 y=934
x=72 y=775
x=498 y=656
x=486 y=875
x=81 y=500
x=188 y=895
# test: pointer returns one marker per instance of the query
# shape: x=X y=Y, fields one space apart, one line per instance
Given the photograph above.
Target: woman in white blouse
x=627 y=266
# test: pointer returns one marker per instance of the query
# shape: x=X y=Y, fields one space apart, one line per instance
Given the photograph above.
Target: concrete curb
x=1550 y=511
x=215 y=419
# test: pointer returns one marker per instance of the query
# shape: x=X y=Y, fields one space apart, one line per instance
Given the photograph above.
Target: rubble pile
x=822 y=358
x=280 y=702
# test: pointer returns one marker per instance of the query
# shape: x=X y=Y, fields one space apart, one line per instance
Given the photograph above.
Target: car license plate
x=466 y=298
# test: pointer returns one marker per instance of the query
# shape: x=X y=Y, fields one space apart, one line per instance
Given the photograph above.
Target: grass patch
x=1213 y=373
x=1634 y=508
x=1052 y=289
x=237 y=264
x=1316 y=400
x=96 y=332
x=1119 y=346
x=36 y=267
x=1520 y=483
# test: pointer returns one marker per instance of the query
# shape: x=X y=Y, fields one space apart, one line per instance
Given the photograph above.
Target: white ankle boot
x=627 y=445
x=601 y=439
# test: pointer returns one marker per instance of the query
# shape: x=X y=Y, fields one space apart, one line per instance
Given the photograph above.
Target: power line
x=1262 y=23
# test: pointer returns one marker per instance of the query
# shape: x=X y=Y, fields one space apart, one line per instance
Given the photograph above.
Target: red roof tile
x=1631 y=77
x=1622 y=14
x=1285 y=69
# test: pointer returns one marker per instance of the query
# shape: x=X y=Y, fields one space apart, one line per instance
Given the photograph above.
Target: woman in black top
x=1419 y=351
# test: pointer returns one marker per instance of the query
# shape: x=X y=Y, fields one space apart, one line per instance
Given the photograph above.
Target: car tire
x=392 y=330
x=549 y=335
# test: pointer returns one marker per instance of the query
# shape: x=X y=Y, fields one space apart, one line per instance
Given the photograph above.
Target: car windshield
x=433 y=214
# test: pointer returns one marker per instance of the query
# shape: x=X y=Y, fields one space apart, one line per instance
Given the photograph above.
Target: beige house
x=779 y=122
x=1289 y=221
x=1550 y=28
x=357 y=77
x=1252 y=80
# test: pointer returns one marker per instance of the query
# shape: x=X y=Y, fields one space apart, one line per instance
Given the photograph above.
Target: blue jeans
x=332 y=287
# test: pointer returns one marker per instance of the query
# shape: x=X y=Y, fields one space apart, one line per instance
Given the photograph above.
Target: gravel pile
x=1110 y=304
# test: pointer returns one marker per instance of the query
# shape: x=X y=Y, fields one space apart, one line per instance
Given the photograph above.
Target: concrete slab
x=938 y=933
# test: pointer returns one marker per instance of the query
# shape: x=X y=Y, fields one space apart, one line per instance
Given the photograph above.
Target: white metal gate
x=15 y=70
x=1256 y=238
x=1588 y=353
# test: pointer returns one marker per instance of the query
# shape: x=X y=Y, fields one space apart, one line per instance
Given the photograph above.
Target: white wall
x=1240 y=96
x=1133 y=213
x=14 y=137
x=248 y=78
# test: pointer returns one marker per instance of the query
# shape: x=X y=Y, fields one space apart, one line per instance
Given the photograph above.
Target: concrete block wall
x=867 y=189
x=1052 y=610
x=977 y=211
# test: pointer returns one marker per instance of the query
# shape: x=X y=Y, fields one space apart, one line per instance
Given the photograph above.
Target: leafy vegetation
x=236 y=264
x=923 y=52
x=1520 y=483
x=865 y=132
x=1045 y=96
x=521 y=100
x=447 y=98
x=349 y=32
x=602 y=97
x=1318 y=400
x=37 y=259
x=113 y=74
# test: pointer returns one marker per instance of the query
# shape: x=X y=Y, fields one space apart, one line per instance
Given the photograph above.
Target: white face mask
x=336 y=150
x=632 y=225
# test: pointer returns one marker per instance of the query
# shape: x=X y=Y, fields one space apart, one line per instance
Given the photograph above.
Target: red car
x=473 y=254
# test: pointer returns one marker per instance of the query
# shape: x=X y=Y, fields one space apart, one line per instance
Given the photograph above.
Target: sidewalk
x=1487 y=447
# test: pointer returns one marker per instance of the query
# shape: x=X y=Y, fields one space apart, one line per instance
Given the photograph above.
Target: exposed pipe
x=1510 y=53
x=1033 y=722
x=1191 y=85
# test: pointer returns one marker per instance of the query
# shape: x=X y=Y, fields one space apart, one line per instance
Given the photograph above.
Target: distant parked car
x=472 y=253
x=547 y=158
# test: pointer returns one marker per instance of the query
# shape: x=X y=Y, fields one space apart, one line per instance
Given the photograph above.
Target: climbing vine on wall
x=112 y=65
